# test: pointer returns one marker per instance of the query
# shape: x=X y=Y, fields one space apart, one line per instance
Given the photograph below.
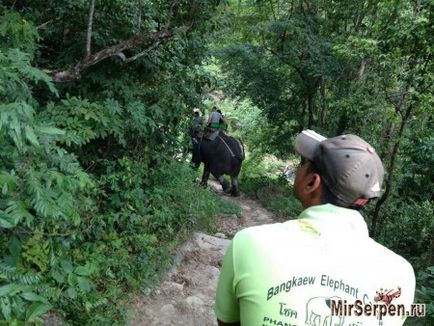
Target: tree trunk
x=390 y=170
x=310 y=108
x=89 y=28
x=323 y=102
x=388 y=137
x=303 y=113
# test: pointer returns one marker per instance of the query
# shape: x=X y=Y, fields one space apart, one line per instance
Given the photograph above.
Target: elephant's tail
x=242 y=155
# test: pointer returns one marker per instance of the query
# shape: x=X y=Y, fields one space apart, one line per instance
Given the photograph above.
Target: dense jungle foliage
x=96 y=98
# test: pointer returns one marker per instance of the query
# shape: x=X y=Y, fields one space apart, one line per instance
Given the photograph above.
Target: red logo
x=387 y=296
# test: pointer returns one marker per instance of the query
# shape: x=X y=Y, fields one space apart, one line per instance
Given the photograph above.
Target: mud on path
x=186 y=294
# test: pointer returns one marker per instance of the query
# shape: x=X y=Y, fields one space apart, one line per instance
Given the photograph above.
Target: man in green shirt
x=322 y=269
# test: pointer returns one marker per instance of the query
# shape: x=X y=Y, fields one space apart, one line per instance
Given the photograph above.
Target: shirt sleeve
x=227 y=305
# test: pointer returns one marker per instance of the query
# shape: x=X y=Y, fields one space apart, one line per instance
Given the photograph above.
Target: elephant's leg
x=195 y=166
x=205 y=176
x=224 y=183
x=235 y=191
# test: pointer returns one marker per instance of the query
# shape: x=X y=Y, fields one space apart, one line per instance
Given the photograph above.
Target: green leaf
x=84 y=283
x=37 y=309
x=72 y=279
x=8 y=181
x=58 y=276
x=51 y=131
x=71 y=292
x=31 y=296
x=5 y=306
x=30 y=135
x=5 y=221
x=85 y=270
x=11 y=289
x=15 y=246
x=67 y=266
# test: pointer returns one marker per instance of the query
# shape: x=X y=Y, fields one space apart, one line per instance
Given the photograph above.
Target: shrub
x=425 y=295
x=413 y=221
x=263 y=179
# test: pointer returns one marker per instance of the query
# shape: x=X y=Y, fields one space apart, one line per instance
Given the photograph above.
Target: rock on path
x=186 y=295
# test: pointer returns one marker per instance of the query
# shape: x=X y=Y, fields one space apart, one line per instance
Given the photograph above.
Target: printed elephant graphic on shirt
x=319 y=313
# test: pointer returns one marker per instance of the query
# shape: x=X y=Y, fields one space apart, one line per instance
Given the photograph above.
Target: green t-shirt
x=285 y=274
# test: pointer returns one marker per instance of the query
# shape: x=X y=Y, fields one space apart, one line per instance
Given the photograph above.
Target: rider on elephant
x=197 y=125
x=216 y=120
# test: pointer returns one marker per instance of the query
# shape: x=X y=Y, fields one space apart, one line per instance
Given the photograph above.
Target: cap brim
x=306 y=143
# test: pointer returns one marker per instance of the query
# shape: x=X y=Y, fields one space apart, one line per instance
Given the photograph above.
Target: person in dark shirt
x=197 y=125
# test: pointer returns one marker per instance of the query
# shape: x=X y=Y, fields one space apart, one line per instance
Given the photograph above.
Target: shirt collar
x=331 y=220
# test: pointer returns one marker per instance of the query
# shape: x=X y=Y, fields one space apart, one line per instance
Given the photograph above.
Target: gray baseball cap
x=348 y=165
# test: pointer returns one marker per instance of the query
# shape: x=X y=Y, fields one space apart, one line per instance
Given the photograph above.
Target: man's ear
x=313 y=183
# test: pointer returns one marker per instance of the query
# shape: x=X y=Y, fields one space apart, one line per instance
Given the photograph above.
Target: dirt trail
x=186 y=295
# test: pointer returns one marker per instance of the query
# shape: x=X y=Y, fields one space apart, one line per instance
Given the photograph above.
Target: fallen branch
x=75 y=72
x=138 y=55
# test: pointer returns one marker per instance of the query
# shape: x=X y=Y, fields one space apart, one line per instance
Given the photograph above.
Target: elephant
x=221 y=156
x=318 y=312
